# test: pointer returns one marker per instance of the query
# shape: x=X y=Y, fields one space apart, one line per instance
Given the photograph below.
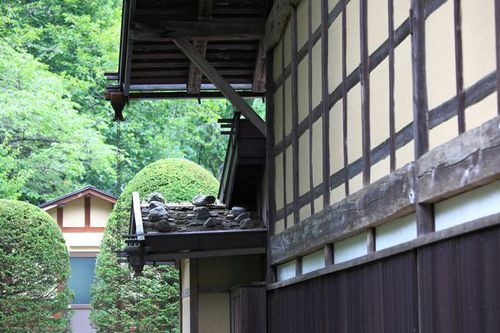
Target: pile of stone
x=202 y=214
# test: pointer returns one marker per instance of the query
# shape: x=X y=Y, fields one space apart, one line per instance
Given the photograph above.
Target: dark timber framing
x=309 y=101
x=459 y=71
x=295 y=120
x=283 y=112
x=365 y=90
x=392 y=121
x=344 y=98
x=497 y=29
x=324 y=98
x=87 y=211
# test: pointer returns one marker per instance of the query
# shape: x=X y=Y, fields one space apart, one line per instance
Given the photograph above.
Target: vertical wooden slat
x=60 y=214
x=324 y=101
x=392 y=121
x=497 y=28
x=370 y=240
x=328 y=254
x=129 y=49
x=283 y=110
x=87 y=211
x=295 y=119
x=309 y=102
x=344 y=96
x=459 y=66
x=365 y=91
x=298 y=266
x=424 y=213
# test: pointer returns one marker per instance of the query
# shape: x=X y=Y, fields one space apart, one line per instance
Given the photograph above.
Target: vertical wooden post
x=497 y=29
x=309 y=101
x=87 y=211
x=60 y=214
x=459 y=66
x=298 y=266
x=295 y=119
x=365 y=91
x=424 y=213
x=283 y=110
x=370 y=240
x=392 y=121
x=325 y=104
x=344 y=96
x=329 y=254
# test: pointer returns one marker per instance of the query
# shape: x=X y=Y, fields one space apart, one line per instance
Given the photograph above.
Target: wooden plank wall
x=361 y=88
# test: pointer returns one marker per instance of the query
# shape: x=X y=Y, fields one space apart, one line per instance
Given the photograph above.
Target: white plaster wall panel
x=277 y=61
x=304 y=181
x=313 y=261
x=335 y=54
x=74 y=213
x=356 y=183
x=354 y=136
x=289 y=174
x=317 y=154
x=401 y=12
x=395 y=232
x=302 y=23
x=353 y=36
x=278 y=181
x=444 y=132
x=82 y=239
x=305 y=212
x=213 y=313
x=278 y=115
x=468 y=206
x=288 y=106
x=303 y=89
x=478 y=39
x=337 y=194
x=99 y=212
x=315 y=14
x=481 y=112
x=318 y=204
x=336 y=138
x=403 y=86
x=332 y=4
x=350 y=248
x=380 y=169
x=378 y=18
x=279 y=226
x=316 y=74
x=289 y=220
x=440 y=55
x=285 y=271
x=405 y=154
x=287 y=42
x=379 y=104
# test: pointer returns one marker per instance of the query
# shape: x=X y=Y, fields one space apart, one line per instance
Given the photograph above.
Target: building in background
x=82 y=216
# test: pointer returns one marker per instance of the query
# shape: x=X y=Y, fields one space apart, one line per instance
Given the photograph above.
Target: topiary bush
x=122 y=302
x=34 y=269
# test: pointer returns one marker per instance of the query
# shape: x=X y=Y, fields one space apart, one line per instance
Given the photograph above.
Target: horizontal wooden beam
x=185 y=95
x=206 y=68
x=205 y=254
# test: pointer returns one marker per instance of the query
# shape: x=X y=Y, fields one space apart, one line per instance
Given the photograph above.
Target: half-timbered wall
x=343 y=93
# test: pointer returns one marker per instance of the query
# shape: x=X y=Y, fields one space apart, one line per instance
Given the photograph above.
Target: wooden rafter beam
x=209 y=71
x=205 y=8
x=259 y=74
x=243 y=29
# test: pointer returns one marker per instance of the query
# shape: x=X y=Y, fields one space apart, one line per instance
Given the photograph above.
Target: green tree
x=148 y=303
x=34 y=269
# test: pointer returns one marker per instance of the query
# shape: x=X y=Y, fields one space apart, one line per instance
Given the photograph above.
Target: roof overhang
x=83 y=192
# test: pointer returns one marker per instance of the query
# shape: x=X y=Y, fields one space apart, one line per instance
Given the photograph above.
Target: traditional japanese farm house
x=82 y=216
x=382 y=191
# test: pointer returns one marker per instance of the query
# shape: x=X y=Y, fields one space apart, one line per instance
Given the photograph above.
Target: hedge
x=121 y=301
x=34 y=269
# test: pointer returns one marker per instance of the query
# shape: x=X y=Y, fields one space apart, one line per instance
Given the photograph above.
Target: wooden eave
x=81 y=193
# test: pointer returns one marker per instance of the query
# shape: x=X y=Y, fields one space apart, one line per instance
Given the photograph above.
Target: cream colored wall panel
x=337 y=194
x=401 y=11
x=331 y=4
x=285 y=271
x=277 y=61
x=380 y=169
x=53 y=213
x=99 y=212
x=356 y=183
x=479 y=113
x=185 y=273
x=336 y=138
x=317 y=153
x=335 y=54
x=440 y=55
x=83 y=239
x=395 y=232
x=74 y=213
x=278 y=115
x=305 y=212
x=213 y=313
x=289 y=221
x=304 y=182
x=279 y=226
x=403 y=86
x=354 y=136
x=278 y=182
x=353 y=39
x=316 y=14
x=377 y=23
x=379 y=104
x=318 y=204
x=287 y=42
x=350 y=248
x=186 y=315
x=316 y=74
x=444 y=132
x=313 y=262
x=303 y=89
x=478 y=39
x=405 y=154
x=302 y=23
x=288 y=106
x=289 y=174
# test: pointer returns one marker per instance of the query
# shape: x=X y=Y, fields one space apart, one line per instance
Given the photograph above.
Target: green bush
x=122 y=302
x=34 y=269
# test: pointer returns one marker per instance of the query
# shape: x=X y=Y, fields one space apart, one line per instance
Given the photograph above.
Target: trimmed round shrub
x=34 y=269
x=121 y=301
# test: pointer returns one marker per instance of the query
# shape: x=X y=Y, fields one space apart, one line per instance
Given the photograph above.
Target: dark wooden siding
x=457 y=281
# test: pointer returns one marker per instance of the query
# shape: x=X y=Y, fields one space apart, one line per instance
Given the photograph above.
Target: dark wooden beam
x=310 y=102
x=295 y=119
x=324 y=100
x=87 y=211
x=185 y=95
x=206 y=68
x=345 y=126
x=283 y=130
x=242 y=29
x=392 y=120
x=497 y=41
x=129 y=45
x=365 y=90
x=459 y=71
x=329 y=254
x=259 y=73
x=60 y=214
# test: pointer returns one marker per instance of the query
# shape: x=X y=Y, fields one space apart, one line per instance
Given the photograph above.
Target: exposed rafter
x=259 y=74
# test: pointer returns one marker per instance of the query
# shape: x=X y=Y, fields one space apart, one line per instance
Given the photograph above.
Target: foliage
x=34 y=268
x=54 y=145
x=149 y=303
